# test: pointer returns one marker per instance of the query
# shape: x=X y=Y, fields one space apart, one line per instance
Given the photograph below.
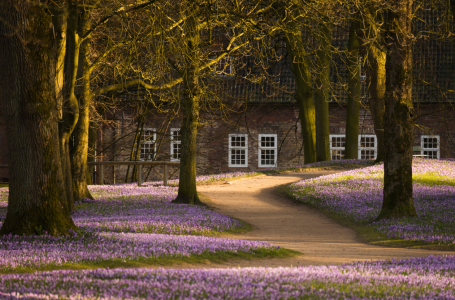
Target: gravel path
x=283 y=222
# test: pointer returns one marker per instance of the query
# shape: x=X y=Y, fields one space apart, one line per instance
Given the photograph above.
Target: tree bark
x=352 y=115
x=304 y=91
x=322 y=82
x=79 y=149
x=399 y=113
x=28 y=63
x=376 y=77
x=190 y=108
x=91 y=151
x=374 y=47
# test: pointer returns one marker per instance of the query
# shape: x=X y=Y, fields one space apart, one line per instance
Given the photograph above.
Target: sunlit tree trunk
x=79 y=149
x=374 y=48
x=190 y=108
x=352 y=115
x=375 y=73
x=28 y=64
x=322 y=88
x=304 y=91
x=399 y=113
x=65 y=109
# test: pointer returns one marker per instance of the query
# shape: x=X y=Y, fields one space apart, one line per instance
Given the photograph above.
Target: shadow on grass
x=203 y=258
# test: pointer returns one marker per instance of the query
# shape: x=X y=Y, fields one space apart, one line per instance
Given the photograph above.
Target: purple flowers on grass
x=17 y=252
x=147 y=210
x=357 y=195
x=415 y=278
x=127 y=222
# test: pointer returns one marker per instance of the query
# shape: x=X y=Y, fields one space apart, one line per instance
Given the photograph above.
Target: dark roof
x=434 y=69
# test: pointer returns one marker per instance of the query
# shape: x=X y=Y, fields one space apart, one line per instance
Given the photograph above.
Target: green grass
x=204 y=258
x=431 y=179
x=4 y=185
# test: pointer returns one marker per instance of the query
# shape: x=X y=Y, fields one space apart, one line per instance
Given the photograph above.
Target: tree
x=399 y=112
x=80 y=65
x=191 y=96
x=322 y=85
x=28 y=63
x=352 y=115
x=300 y=66
x=373 y=44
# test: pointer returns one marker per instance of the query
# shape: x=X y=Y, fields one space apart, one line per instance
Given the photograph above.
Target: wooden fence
x=139 y=165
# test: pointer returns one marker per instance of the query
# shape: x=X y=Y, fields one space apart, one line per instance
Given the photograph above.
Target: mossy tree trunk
x=375 y=59
x=376 y=76
x=70 y=106
x=79 y=149
x=28 y=64
x=322 y=89
x=190 y=108
x=352 y=115
x=399 y=113
x=304 y=91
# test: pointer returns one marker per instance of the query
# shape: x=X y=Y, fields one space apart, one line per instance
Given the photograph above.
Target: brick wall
x=213 y=139
x=116 y=137
x=432 y=119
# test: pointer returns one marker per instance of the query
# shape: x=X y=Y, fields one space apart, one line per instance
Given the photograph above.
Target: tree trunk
x=28 y=61
x=132 y=153
x=190 y=109
x=376 y=77
x=91 y=151
x=322 y=89
x=139 y=141
x=352 y=116
x=375 y=58
x=304 y=91
x=79 y=151
x=67 y=108
x=399 y=113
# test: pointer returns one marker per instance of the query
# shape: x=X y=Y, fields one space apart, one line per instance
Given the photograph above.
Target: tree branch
x=118 y=12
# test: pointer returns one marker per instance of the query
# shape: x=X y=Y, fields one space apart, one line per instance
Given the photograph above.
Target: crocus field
x=130 y=223
x=127 y=223
x=416 y=278
x=357 y=196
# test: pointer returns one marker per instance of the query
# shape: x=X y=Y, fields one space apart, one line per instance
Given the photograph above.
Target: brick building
x=259 y=137
x=262 y=128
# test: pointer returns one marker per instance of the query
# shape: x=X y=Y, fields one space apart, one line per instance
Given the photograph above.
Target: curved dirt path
x=282 y=222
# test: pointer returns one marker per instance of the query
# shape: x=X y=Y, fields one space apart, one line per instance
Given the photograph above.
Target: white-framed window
x=368 y=146
x=148 y=145
x=176 y=143
x=238 y=150
x=223 y=67
x=337 y=144
x=430 y=146
x=267 y=152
